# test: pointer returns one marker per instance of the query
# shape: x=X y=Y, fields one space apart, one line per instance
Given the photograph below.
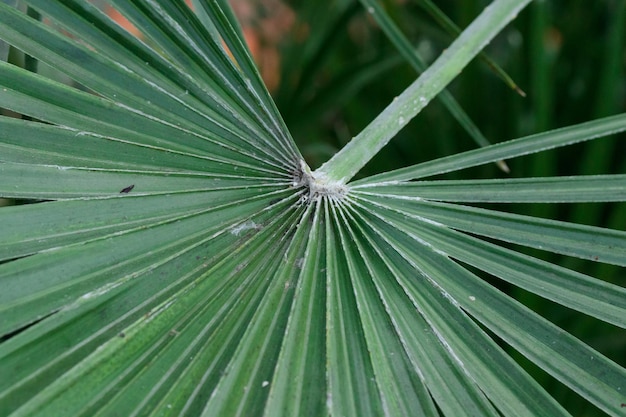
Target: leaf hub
x=318 y=185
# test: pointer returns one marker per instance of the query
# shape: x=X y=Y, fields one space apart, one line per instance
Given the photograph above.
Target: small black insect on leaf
x=127 y=189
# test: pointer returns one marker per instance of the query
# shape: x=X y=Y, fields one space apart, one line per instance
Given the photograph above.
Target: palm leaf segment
x=186 y=266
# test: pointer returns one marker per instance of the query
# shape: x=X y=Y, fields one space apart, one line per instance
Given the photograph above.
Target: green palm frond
x=186 y=261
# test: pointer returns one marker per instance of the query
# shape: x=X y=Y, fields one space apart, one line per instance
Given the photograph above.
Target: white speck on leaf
x=100 y=291
x=247 y=225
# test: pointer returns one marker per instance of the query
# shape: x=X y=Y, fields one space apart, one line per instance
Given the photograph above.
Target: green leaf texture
x=176 y=265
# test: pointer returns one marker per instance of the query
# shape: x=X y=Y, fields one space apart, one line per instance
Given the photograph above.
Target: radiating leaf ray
x=298 y=385
x=30 y=229
x=449 y=384
x=155 y=73
x=144 y=91
x=199 y=369
x=222 y=309
x=87 y=113
x=446 y=23
x=86 y=271
x=349 y=368
x=582 y=368
x=119 y=84
x=402 y=387
x=223 y=16
x=69 y=107
x=505 y=150
x=578 y=366
x=591 y=188
x=569 y=288
x=587 y=242
x=484 y=362
x=253 y=362
x=188 y=47
x=412 y=56
x=55 y=145
x=57 y=182
x=121 y=310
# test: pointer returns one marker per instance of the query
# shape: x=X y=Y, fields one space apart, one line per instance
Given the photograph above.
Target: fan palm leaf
x=186 y=261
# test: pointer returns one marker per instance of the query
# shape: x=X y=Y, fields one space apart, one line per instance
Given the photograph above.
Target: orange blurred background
x=264 y=24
